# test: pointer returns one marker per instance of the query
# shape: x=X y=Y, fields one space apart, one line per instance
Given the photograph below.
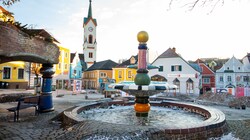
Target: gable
x=87 y=20
x=232 y=65
x=206 y=69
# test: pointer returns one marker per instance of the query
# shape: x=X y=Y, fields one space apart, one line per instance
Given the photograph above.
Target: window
x=206 y=80
x=229 y=78
x=160 y=68
x=129 y=74
x=103 y=75
x=6 y=73
x=246 y=78
x=66 y=66
x=221 y=79
x=132 y=60
x=90 y=55
x=20 y=73
x=59 y=65
x=238 y=68
x=90 y=39
x=190 y=84
x=176 y=68
x=176 y=82
x=66 y=54
x=120 y=74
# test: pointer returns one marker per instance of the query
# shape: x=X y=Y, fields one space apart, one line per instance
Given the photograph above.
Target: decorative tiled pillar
x=46 y=102
x=142 y=105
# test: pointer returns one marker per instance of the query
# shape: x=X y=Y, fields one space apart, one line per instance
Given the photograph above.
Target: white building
x=232 y=74
x=178 y=71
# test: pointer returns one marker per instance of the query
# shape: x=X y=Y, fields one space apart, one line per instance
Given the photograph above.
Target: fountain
x=160 y=119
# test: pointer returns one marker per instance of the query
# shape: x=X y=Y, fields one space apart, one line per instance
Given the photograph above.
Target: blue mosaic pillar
x=46 y=102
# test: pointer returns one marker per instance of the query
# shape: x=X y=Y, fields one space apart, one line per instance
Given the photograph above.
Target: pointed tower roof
x=90 y=9
x=87 y=19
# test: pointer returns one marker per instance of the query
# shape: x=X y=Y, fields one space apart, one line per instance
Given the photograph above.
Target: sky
x=204 y=32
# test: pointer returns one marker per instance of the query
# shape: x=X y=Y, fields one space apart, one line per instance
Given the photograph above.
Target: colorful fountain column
x=46 y=103
x=142 y=105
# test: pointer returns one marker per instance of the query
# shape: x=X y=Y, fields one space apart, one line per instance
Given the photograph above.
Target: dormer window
x=132 y=60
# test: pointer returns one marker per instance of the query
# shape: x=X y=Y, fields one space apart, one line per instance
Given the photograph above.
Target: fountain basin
x=214 y=124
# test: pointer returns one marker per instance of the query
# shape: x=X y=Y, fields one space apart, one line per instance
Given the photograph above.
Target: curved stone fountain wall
x=214 y=124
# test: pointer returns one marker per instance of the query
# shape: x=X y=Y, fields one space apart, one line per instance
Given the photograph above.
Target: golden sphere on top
x=142 y=36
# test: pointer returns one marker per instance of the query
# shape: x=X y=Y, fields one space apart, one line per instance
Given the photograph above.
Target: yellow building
x=5 y=15
x=13 y=75
x=97 y=74
x=122 y=73
x=61 y=77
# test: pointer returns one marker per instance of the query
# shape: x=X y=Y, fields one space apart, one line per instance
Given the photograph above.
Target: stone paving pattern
x=45 y=127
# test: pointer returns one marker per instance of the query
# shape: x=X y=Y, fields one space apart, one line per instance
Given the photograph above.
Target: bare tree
x=8 y=2
x=191 y=4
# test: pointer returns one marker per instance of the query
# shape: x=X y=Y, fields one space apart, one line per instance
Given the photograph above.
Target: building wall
x=61 y=77
x=13 y=81
x=124 y=74
x=232 y=73
x=5 y=15
x=92 y=79
x=183 y=75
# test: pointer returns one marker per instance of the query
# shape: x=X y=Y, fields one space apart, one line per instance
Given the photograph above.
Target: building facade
x=122 y=73
x=177 y=71
x=208 y=77
x=6 y=16
x=98 y=74
x=61 y=78
x=232 y=74
x=76 y=70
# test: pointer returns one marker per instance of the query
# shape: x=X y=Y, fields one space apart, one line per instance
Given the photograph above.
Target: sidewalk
x=62 y=99
x=39 y=127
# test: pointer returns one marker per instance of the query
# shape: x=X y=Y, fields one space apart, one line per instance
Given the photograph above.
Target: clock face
x=90 y=29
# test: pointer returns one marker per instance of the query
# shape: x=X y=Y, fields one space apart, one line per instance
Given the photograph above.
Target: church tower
x=89 y=45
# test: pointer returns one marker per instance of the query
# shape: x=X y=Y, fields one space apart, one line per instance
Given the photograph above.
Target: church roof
x=103 y=65
x=90 y=10
x=87 y=19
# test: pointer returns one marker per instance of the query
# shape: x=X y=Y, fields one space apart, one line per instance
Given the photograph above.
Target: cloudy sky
x=199 y=33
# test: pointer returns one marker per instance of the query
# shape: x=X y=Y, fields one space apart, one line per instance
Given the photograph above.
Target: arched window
x=189 y=85
x=90 y=39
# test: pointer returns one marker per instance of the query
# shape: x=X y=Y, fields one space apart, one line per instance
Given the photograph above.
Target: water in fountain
x=158 y=117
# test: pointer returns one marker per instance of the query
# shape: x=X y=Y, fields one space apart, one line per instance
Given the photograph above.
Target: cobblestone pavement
x=44 y=126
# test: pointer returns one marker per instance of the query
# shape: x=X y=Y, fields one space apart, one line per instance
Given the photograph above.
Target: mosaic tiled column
x=142 y=105
x=46 y=103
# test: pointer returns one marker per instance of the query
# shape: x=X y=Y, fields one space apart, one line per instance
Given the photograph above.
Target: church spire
x=90 y=10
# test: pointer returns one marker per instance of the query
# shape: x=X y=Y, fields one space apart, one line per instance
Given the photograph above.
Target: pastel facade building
x=177 y=71
x=122 y=73
x=232 y=74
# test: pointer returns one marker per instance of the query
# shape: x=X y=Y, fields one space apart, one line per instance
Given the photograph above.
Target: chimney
x=174 y=49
